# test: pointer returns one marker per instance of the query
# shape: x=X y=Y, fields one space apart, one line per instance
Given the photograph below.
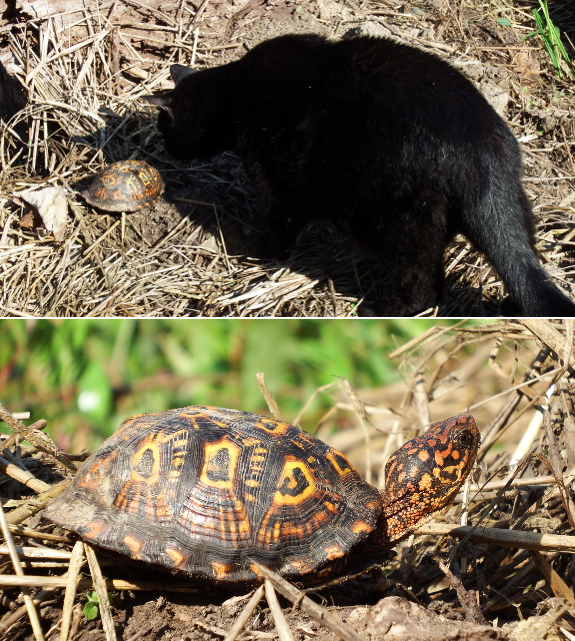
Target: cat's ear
x=162 y=100
x=178 y=72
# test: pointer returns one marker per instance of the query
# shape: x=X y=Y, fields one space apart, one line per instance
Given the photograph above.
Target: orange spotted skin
x=208 y=491
x=423 y=477
x=127 y=185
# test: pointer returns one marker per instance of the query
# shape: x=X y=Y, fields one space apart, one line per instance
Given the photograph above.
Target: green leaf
x=92 y=597
x=551 y=37
x=90 y=610
x=94 y=393
x=504 y=22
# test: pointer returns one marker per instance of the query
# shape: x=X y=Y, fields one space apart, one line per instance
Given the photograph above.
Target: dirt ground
x=197 y=252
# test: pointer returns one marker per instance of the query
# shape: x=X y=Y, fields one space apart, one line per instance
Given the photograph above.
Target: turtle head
x=424 y=475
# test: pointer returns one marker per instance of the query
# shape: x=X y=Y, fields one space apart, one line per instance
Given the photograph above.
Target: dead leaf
x=527 y=64
x=52 y=207
x=30 y=220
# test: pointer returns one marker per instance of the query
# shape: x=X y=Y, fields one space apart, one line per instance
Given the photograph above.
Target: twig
x=29 y=552
x=76 y=562
x=31 y=608
x=361 y=419
x=505 y=538
x=98 y=240
x=8 y=581
x=467 y=598
x=526 y=480
x=530 y=433
x=41 y=441
x=23 y=476
x=198 y=15
x=194 y=51
x=284 y=632
x=546 y=333
x=101 y=591
x=268 y=396
x=10 y=618
x=310 y=400
x=36 y=503
x=553 y=372
x=432 y=332
x=555 y=582
x=420 y=396
x=37 y=425
x=245 y=614
x=319 y=614
x=22 y=531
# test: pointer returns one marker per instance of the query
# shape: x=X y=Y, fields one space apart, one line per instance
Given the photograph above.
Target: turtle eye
x=464 y=438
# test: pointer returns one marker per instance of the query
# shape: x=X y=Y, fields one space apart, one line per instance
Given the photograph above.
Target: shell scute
x=127 y=185
x=208 y=490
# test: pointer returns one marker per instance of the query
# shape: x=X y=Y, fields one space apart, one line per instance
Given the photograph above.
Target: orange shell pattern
x=127 y=185
x=208 y=490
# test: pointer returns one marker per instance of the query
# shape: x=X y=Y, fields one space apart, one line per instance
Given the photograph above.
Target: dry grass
x=190 y=255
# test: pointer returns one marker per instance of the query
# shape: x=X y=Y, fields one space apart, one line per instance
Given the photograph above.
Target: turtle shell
x=127 y=185
x=207 y=491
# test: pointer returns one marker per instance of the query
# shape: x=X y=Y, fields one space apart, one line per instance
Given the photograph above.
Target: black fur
x=389 y=142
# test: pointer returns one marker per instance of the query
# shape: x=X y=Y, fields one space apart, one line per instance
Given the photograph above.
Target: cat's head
x=192 y=116
x=165 y=100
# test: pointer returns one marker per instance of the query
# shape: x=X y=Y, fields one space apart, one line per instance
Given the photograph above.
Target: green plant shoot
x=551 y=37
x=91 y=607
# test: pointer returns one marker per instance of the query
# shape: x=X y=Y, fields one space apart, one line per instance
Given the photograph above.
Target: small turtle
x=207 y=491
x=127 y=185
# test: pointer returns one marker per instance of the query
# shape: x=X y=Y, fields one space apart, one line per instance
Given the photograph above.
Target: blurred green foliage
x=85 y=376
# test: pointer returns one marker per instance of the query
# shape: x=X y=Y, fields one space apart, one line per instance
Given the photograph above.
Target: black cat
x=391 y=143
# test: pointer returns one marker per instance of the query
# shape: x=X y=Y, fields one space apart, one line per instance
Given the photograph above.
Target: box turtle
x=207 y=491
x=127 y=185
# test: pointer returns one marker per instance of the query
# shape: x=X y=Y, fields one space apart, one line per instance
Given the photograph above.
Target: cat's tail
x=502 y=228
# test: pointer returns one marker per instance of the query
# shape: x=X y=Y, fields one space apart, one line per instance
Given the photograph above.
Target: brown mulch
x=511 y=578
x=195 y=253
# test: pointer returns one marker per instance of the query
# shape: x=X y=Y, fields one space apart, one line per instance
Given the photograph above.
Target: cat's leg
x=413 y=283
x=284 y=224
x=408 y=239
x=285 y=220
x=284 y=230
